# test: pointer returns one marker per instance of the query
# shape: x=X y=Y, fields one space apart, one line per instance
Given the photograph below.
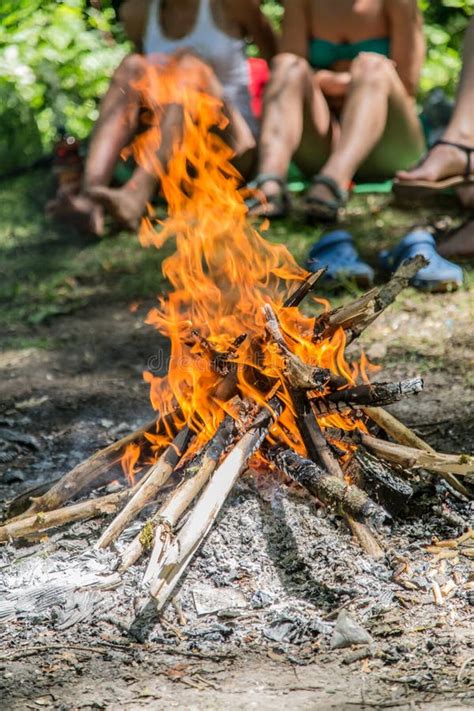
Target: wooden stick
x=411 y=458
x=85 y=473
x=42 y=521
x=404 y=435
x=396 y=429
x=356 y=316
x=331 y=490
x=305 y=287
x=373 y=394
x=365 y=538
x=148 y=488
x=180 y=553
x=161 y=524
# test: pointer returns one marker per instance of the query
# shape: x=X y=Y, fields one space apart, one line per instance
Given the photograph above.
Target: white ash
x=293 y=564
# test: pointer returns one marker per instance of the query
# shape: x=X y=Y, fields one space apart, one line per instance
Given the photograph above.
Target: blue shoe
x=439 y=275
x=336 y=251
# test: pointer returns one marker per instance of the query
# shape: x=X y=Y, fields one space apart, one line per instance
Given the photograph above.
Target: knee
x=131 y=67
x=194 y=70
x=289 y=68
x=372 y=69
x=187 y=61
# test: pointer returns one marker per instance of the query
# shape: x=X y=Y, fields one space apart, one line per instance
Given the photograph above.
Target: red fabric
x=259 y=75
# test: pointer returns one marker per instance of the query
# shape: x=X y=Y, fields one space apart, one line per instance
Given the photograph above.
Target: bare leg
x=128 y=203
x=446 y=161
x=379 y=127
x=296 y=122
x=118 y=121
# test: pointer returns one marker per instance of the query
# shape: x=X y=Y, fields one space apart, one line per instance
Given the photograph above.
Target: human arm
x=134 y=17
x=295 y=28
x=256 y=26
x=407 y=43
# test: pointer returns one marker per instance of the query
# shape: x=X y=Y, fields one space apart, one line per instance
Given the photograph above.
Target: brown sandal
x=421 y=187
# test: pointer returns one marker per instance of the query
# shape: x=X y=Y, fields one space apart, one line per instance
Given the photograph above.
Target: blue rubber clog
x=438 y=276
x=336 y=251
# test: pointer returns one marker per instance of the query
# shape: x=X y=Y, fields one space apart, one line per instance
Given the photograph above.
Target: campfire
x=254 y=382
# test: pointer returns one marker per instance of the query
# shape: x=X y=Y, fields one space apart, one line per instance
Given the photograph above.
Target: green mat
x=298 y=186
x=297 y=183
x=363 y=188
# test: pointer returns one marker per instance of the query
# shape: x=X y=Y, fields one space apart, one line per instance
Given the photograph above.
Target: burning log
x=311 y=434
x=372 y=394
x=221 y=362
x=329 y=489
x=43 y=521
x=356 y=316
x=314 y=440
x=172 y=566
x=300 y=376
x=299 y=294
x=158 y=528
x=148 y=487
x=85 y=473
x=410 y=458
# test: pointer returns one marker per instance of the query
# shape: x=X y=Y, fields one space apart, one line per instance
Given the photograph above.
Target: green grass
x=47 y=270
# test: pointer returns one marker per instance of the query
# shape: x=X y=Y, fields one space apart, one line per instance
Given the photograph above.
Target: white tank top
x=225 y=54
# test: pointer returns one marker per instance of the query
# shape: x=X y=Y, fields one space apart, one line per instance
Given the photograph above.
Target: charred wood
x=330 y=490
x=372 y=394
x=382 y=482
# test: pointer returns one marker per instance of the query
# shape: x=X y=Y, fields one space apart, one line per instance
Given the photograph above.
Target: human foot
x=460 y=244
x=325 y=198
x=78 y=210
x=270 y=197
x=123 y=205
x=446 y=163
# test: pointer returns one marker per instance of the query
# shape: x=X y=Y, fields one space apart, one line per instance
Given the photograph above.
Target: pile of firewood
x=212 y=471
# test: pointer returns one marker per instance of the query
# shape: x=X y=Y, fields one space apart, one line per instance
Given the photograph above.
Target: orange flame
x=222 y=271
x=129 y=462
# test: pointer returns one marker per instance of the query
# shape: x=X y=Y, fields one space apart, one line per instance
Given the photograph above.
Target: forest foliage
x=56 y=59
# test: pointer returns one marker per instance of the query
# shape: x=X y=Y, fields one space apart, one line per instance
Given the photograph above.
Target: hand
x=333 y=84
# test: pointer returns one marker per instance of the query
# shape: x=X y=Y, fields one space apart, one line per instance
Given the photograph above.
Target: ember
x=252 y=380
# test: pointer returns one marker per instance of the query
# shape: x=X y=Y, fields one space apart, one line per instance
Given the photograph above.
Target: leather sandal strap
x=339 y=193
x=263 y=178
x=468 y=150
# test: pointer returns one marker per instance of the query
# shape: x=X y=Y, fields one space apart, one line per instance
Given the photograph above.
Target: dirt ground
x=72 y=384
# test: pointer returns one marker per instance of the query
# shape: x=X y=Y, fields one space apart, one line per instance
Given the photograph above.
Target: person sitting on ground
x=340 y=100
x=205 y=35
x=450 y=161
